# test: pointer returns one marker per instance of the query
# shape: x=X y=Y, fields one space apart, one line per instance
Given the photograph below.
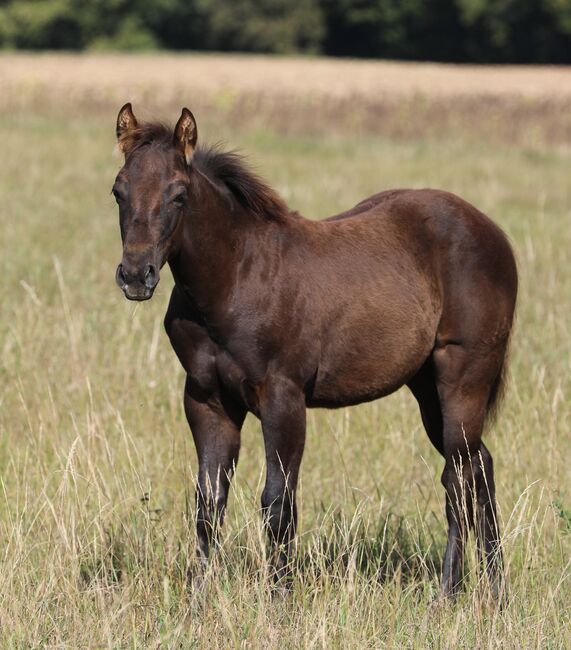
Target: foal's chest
x=208 y=366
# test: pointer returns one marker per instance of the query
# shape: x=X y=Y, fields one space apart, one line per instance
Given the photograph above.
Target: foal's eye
x=179 y=199
x=117 y=195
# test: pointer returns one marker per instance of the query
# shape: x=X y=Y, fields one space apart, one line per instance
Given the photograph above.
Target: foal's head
x=152 y=191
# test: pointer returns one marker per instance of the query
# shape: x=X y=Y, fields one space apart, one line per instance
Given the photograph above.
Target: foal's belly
x=372 y=363
x=347 y=387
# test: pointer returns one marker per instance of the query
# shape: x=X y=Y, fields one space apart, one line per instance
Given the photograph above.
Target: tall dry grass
x=97 y=464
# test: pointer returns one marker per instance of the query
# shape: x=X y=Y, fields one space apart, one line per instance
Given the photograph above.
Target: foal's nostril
x=120 y=276
x=150 y=276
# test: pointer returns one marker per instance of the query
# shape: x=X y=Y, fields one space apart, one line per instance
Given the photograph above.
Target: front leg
x=215 y=426
x=282 y=412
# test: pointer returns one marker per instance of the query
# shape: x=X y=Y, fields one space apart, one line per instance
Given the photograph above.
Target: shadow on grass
x=389 y=549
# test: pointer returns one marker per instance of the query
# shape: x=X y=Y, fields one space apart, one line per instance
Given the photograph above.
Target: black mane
x=226 y=168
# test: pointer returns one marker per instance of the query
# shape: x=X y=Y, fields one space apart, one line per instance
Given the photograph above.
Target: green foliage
x=407 y=29
x=528 y=31
x=130 y=35
x=564 y=515
x=264 y=25
x=450 y=30
x=50 y=24
x=446 y=30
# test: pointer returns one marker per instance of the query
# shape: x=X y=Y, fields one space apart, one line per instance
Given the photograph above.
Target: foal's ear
x=185 y=134
x=126 y=122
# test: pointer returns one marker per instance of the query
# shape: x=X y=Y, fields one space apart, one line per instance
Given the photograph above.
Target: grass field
x=96 y=461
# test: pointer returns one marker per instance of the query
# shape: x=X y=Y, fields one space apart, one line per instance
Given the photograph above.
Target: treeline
x=517 y=31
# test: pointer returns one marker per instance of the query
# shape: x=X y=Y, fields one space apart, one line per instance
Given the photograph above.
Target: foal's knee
x=211 y=507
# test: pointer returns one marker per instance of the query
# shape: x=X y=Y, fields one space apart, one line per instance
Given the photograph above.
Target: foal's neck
x=218 y=238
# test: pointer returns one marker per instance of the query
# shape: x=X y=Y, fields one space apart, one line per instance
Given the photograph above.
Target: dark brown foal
x=272 y=313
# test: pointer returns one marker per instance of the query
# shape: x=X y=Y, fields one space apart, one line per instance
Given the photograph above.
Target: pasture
x=96 y=460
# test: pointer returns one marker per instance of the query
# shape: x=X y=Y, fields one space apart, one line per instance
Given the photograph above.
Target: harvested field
x=526 y=104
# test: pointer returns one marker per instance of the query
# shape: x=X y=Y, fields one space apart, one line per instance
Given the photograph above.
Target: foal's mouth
x=137 y=292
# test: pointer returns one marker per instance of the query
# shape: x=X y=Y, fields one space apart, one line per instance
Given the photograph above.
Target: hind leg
x=425 y=390
x=423 y=387
x=488 y=530
x=469 y=467
x=464 y=378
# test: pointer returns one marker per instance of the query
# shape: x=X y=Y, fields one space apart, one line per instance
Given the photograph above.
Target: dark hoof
x=198 y=578
x=442 y=599
x=497 y=594
x=281 y=589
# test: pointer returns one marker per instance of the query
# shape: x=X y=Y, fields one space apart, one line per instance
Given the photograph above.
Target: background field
x=96 y=461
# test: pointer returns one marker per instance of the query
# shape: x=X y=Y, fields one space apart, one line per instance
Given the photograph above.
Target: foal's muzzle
x=137 y=285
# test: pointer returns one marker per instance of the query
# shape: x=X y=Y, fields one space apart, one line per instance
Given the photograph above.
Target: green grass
x=97 y=463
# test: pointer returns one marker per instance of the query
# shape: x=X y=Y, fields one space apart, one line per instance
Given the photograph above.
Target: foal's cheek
x=164 y=230
x=170 y=227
